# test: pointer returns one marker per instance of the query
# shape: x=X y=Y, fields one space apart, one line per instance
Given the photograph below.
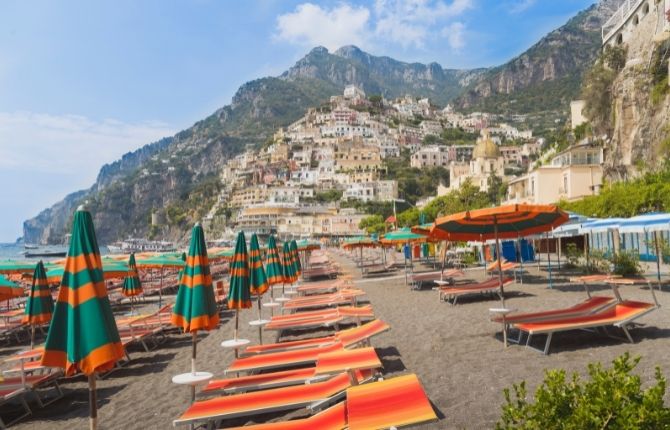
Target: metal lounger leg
x=546 y=345
x=625 y=330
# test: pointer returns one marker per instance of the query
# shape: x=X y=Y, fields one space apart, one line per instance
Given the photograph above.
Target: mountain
x=549 y=74
x=178 y=174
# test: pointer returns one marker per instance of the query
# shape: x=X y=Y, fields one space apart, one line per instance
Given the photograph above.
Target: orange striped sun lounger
x=391 y=403
x=348 y=338
x=258 y=402
x=324 y=318
x=277 y=360
x=451 y=294
x=621 y=315
x=419 y=279
x=322 y=286
x=363 y=359
x=342 y=297
x=587 y=307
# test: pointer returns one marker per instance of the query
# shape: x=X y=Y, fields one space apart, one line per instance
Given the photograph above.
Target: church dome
x=486 y=148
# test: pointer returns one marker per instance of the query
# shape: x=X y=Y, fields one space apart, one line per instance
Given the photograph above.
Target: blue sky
x=83 y=82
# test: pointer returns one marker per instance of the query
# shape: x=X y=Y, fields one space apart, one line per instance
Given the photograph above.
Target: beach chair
x=377 y=269
x=274 y=400
x=278 y=360
x=348 y=338
x=322 y=287
x=492 y=285
x=505 y=267
x=587 y=307
x=327 y=364
x=621 y=315
x=417 y=280
x=325 y=318
x=391 y=403
x=347 y=296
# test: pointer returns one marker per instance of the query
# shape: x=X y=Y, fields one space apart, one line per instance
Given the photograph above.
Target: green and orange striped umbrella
x=257 y=279
x=195 y=307
x=131 y=284
x=239 y=292
x=40 y=304
x=288 y=268
x=293 y=246
x=9 y=289
x=83 y=336
x=273 y=263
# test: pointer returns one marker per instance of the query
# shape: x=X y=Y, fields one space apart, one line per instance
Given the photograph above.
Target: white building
x=431 y=156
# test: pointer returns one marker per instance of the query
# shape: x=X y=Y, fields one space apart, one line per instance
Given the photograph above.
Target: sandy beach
x=456 y=351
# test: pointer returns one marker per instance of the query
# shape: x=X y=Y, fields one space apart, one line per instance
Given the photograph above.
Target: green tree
x=373 y=224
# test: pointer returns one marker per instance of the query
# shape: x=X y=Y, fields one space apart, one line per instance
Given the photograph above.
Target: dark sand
x=455 y=350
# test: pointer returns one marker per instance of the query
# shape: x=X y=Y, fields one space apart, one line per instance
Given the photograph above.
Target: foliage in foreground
x=611 y=399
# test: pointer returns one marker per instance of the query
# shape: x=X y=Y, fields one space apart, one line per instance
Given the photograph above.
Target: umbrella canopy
x=222 y=254
x=83 y=334
x=307 y=245
x=160 y=261
x=8 y=289
x=502 y=222
x=195 y=307
x=239 y=296
x=402 y=235
x=257 y=278
x=273 y=264
x=293 y=247
x=111 y=269
x=360 y=242
x=15 y=266
x=288 y=268
x=390 y=220
x=131 y=284
x=40 y=304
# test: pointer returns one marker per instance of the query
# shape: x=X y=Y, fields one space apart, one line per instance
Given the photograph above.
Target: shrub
x=626 y=264
x=573 y=254
x=598 y=262
x=612 y=399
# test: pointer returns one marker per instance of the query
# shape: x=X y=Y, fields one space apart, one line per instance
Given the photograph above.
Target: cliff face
x=548 y=75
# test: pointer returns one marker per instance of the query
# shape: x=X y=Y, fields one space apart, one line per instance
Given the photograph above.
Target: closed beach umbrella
x=296 y=259
x=83 y=336
x=195 y=307
x=131 y=284
x=288 y=268
x=40 y=304
x=239 y=296
x=257 y=279
x=273 y=265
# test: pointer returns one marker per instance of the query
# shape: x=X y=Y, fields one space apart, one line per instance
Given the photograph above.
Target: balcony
x=620 y=17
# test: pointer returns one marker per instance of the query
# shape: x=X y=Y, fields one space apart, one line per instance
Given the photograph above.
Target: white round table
x=192 y=379
x=235 y=343
x=271 y=305
x=282 y=299
x=256 y=323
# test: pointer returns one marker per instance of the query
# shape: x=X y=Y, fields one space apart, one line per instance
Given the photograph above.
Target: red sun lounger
x=587 y=307
x=277 y=360
x=348 y=338
x=362 y=359
x=491 y=285
x=621 y=315
x=259 y=402
x=391 y=403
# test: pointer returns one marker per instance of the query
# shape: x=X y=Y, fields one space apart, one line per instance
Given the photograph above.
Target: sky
x=83 y=82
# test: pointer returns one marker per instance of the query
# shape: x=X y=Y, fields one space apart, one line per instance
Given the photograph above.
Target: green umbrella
x=9 y=289
x=162 y=261
x=257 y=278
x=239 y=296
x=14 y=266
x=195 y=307
x=83 y=335
x=40 y=304
x=293 y=246
x=402 y=236
x=288 y=267
x=273 y=264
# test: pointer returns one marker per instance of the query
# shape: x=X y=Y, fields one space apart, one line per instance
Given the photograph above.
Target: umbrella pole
x=237 y=321
x=658 y=260
x=160 y=290
x=32 y=335
x=586 y=252
x=194 y=338
x=500 y=276
x=558 y=250
x=92 y=403
x=549 y=261
x=260 y=328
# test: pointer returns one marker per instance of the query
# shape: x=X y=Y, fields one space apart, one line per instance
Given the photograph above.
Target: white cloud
x=410 y=23
x=455 y=34
x=521 y=6
x=312 y=25
x=70 y=144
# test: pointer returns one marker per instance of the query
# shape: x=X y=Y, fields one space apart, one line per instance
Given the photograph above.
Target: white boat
x=131 y=245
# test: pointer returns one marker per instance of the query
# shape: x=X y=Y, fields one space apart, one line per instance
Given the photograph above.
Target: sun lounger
x=587 y=307
x=321 y=287
x=348 y=338
x=320 y=272
x=492 y=285
x=621 y=315
x=364 y=359
x=417 y=280
x=341 y=297
x=278 y=360
x=325 y=318
x=258 y=402
x=377 y=269
x=391 y=403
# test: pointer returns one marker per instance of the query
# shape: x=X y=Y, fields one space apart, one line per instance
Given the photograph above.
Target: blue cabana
x=644 y=225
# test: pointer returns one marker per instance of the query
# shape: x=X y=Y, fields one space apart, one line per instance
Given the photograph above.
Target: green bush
x=612 y=399
x=598 y=262
x=626 y=264
x=573 y=254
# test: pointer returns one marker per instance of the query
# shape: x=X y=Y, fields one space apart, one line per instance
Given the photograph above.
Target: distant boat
x=141 y=245
x=29 y=246
x=46 y=251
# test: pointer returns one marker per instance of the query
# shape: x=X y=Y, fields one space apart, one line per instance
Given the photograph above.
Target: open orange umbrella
x=502 y=222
